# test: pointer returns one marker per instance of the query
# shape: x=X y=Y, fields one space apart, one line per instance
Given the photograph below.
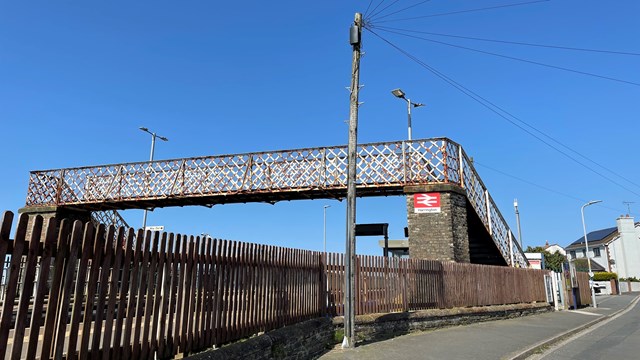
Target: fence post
x=460 y=167
x=486 y=197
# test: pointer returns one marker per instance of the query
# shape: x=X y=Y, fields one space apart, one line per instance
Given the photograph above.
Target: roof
x=595 y=237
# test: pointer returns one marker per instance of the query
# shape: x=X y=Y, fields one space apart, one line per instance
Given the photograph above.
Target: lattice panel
x=109 y=217
x=475 y=192
x=499 y=230
x=379 y=164
x=425 y=160
x=452 y=162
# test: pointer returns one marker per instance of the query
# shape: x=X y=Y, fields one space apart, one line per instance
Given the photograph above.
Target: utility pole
x=349 y=340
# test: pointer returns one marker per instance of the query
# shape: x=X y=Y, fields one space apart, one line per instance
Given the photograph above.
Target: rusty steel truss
x=382 y=169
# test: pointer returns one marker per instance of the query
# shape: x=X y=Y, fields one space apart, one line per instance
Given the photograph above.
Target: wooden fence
x=582 y=291
x=393 y=284
x=105 y=295
x=162 y=295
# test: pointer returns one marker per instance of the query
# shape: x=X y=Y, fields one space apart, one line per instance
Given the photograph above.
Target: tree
x=551 y=261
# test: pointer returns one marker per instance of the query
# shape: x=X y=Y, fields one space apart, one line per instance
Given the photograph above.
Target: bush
x=604 y=276
x=632 y=279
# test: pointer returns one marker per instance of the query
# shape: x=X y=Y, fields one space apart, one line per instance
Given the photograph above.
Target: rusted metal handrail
x=383 y=168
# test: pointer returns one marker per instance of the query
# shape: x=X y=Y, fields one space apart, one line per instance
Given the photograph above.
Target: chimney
x=625 y=225
x=628 y=248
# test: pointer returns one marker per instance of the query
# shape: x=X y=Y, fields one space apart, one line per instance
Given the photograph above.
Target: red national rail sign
x=426 y=203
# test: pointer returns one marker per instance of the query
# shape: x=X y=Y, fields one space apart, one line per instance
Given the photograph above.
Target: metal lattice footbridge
x=313 y=173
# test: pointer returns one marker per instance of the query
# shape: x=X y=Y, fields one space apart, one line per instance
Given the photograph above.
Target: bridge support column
x=48 y=212
x=438 y=233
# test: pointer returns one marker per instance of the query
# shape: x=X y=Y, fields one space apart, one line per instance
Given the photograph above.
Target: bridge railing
x=382 y=168
x=488 y=212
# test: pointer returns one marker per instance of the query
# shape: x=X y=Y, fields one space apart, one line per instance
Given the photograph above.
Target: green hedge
x=604 y=276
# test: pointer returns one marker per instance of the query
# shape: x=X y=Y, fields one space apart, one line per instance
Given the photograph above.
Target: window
x=584 y=253
x=572 y=253
x=596 y=252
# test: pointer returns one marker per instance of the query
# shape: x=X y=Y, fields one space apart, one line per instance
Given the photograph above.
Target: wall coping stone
x=414 y=189
x=423 y=315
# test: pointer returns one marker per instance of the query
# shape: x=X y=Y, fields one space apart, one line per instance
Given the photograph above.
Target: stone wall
x=307 y=340
x=440 y=236
x=377 y=327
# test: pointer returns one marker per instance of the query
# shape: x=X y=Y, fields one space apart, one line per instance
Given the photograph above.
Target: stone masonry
x=52 y=212
x=439 y=236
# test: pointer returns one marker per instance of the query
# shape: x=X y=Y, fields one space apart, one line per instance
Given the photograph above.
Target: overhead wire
x=461 y=11
x=511 y=57
x=514 y=42
x=385 y=8
x=368 y=7
x=375 y=8
x=403 y=9
x=539 y=186
x=553 y=139
x=494 y=108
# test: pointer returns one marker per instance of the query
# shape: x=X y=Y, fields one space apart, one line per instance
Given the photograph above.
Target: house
x=554 y=248
x=615 y=249
x=624 y=250
x=597 y=252
x=536 y=260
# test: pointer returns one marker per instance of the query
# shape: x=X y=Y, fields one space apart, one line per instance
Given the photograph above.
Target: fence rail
x=93 y=292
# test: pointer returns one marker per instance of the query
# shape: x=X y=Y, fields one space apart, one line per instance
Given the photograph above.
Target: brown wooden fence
x=162 y=295
x=393 y=284
x=582 y=291
x=106 y=295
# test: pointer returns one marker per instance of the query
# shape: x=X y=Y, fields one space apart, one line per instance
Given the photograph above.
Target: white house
x=554 y=248
x=615 y=249
x=624 y=249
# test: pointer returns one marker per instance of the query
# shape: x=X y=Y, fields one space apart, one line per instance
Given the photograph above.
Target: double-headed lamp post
x=586 y=246
x=401 y=95
x=153 y=148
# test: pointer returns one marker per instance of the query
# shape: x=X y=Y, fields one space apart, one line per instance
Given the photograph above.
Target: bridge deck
x=382 y=169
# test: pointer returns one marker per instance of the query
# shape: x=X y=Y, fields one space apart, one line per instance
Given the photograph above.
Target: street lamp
x=515 y=206
x=153 y=148
x=324 y=213
x=401 y=95
x=586 y=246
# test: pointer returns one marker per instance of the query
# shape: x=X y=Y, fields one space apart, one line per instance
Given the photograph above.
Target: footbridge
x=387 y=168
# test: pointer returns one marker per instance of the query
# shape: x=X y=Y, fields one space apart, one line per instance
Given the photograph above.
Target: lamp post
x=515 y=206
x=324 y=236
x=586 y=246
x=401 y=95
x=153 y=147
x=324 y=225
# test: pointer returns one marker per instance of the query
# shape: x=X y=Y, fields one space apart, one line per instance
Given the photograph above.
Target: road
x=616 y=338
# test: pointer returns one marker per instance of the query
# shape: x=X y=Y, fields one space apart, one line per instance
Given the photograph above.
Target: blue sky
x=77 y=79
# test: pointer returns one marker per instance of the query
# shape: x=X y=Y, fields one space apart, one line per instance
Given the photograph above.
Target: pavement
x=515 y=339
